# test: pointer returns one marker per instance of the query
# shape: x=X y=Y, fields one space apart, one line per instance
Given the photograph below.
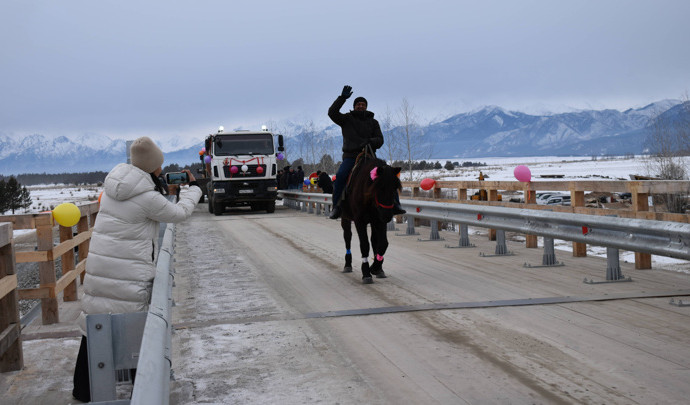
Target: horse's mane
x=361 y=187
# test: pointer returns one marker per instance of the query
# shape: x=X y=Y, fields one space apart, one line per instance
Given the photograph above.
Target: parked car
x=542 y=198
x=558 y=200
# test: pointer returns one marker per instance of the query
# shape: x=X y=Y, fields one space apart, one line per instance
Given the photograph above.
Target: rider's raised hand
x=347 y=92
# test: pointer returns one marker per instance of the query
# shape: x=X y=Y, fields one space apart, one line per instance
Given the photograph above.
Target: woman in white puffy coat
x=120 y=265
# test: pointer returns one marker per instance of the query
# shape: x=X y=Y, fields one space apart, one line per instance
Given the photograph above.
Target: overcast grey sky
x=181 y=68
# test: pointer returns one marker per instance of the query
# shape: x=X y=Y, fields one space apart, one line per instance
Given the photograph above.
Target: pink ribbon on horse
x=374 y=173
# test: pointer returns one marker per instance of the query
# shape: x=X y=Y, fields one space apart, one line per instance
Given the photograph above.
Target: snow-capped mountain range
x=486 y=132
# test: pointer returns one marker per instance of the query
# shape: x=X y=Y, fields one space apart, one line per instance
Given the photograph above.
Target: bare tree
x=392 y=148
x=412 y=137
x=668 y=143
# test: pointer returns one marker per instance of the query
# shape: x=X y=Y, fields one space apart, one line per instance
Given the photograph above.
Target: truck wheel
x=201 y=199
x=271 y=207
x=218 y=208
x=210 y=205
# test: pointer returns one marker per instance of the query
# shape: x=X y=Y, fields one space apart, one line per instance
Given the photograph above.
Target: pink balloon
x=522 y=173
x=234 y=169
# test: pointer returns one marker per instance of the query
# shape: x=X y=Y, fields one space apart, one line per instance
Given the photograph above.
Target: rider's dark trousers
x=341 y=178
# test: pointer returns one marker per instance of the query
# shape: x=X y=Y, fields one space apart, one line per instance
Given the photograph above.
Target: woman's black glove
x=347 y=92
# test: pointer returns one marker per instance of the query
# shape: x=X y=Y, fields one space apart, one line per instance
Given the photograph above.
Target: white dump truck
x=241 y=168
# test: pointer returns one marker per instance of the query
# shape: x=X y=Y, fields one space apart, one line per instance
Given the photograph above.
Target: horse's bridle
x=378 y=204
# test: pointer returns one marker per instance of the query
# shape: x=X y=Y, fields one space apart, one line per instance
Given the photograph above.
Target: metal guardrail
x=140 y=340
x=663 y=238
x=152 y=385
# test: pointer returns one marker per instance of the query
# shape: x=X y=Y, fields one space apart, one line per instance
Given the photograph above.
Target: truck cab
x=241 y=167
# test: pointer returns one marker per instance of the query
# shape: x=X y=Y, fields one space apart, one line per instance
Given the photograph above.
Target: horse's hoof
x=382 y=274
x=347 y=269
x=367 y=280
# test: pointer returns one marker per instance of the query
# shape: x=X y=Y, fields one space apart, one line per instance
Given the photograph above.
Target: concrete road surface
x=262 y=317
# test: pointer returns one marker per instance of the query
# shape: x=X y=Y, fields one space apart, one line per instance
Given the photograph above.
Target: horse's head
x=386 y=186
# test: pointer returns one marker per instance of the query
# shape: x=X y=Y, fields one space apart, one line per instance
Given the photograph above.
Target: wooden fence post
x=530 y=198
x=46 y=269
x=11 y=355
x=70 y=291
x=640 y=202
x=577 y=199
x=83 y=251
x=492 y=195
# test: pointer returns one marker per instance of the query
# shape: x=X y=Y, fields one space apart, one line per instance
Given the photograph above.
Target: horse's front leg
x=379 y=243
x=346 y=224
x=364 y=249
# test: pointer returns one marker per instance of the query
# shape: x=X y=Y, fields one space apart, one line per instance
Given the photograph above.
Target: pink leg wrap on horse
x=379 y=258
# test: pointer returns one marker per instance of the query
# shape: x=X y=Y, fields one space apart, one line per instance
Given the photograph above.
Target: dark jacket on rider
x=359 y=128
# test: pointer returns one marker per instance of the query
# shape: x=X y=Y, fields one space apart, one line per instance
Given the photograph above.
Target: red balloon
x=333 y=178
x=259 y=170
x=427 y=184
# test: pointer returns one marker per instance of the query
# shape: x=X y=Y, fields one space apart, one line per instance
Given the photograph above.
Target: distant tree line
x=431 y=165
x=33 y=179
x=13 y=196
x=77 y=179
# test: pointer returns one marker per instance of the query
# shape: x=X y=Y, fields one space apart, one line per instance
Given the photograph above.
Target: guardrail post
x=434 y=235
x=549 y=258
x=464 y=241
x=410 y=227
x=501 y=248
x=11 y=355
x=613 y=268
x=113 y=342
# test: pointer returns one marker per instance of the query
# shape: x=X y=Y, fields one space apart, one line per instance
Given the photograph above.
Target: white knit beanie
x=146 y=155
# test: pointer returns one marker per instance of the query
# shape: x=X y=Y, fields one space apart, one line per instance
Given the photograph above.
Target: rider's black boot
x=337 y=211
x=397 y=209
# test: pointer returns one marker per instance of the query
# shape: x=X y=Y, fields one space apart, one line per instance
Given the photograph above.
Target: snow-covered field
x=572 y=168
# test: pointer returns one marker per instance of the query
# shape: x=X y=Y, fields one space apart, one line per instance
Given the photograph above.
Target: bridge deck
x=264 y=315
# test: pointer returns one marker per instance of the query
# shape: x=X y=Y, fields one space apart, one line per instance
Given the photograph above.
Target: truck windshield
x=243 y=144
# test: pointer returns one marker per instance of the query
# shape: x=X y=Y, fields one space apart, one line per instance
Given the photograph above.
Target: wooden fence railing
x=46 y=252
x=11 y=356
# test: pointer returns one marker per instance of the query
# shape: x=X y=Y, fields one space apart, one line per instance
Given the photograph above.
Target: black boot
x=337 y=211
x=397 y=209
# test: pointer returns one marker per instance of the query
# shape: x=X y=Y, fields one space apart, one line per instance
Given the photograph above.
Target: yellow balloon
x=66 y=214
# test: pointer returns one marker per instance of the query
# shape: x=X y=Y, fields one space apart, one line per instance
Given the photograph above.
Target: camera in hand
x=176 y=177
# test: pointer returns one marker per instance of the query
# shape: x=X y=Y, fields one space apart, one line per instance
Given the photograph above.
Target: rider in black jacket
x=359 y=129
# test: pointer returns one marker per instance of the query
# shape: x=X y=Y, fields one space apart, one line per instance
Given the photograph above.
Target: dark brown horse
x=369 y=200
